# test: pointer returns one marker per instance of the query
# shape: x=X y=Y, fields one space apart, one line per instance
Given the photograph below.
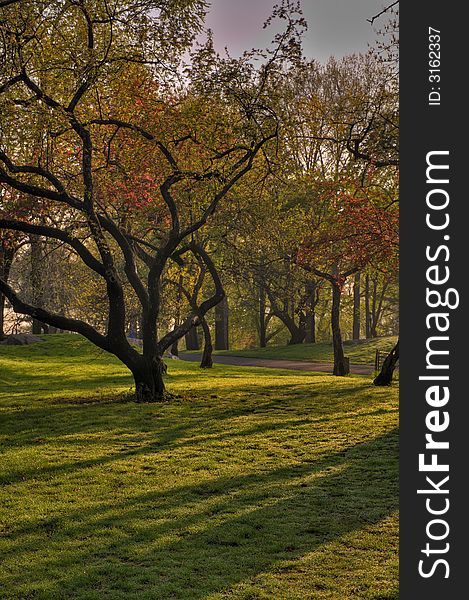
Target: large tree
x=71 y=71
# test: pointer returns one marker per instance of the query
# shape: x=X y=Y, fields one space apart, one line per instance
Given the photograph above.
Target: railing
x=378 y=360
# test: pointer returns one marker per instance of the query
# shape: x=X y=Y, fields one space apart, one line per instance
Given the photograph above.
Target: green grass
x=253 y=484
x=359 y=353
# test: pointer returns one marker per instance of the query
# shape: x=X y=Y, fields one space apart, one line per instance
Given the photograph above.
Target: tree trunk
x=2 y=317
x=37 y=284
x=356 y=308
x=297 y=334
x=6 y=258
x=221 y=325
x=387 y=370
x=39 y=328
x=377 y=306
x=310 y=321
x=192 y=339
x=373 y=319
x=310 y=327
x=175 y=348
x=340 y=364
x=367 y=308
x=262 y=320
x=149 y=384
x=207 y=361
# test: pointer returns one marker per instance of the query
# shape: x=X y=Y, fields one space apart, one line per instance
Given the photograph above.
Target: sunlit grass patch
x=362 y=352
x=253 y=483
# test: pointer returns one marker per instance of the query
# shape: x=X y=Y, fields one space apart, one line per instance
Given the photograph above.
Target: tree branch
x=36 y=170
x=373 y=19
x=248 y=158
x=130 y=267
x=197 y=313
x=40 y=94
x=146 y=134
x=55 y=320
x=39 y=192
x=86 y=256
x=13 y=80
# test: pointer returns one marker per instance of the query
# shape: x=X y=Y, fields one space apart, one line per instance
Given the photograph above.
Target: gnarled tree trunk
x=297 y=332
x=148 y=377
x=384 y=377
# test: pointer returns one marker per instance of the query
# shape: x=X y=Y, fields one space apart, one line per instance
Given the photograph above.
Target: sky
x=335 y=27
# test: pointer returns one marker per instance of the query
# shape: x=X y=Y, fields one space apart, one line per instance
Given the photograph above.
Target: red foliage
x=357 y=231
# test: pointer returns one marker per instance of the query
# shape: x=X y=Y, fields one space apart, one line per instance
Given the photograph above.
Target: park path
x=298 y=365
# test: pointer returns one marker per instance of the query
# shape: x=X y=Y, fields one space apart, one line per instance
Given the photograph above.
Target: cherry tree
x=75 y=76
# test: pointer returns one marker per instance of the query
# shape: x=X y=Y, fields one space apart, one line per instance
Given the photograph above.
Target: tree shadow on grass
x=66 y=413
x=58 y=425
x=194 y=540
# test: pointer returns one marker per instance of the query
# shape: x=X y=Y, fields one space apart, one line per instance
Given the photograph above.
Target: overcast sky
x=335 y=27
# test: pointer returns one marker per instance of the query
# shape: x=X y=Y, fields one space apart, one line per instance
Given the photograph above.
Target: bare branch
x=143 y=132
x=123 y=125
x=373 y=19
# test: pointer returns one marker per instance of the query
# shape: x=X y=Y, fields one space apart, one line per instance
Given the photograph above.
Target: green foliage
x=253 y=484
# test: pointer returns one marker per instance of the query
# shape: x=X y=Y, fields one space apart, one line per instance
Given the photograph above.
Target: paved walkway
x=298 y=365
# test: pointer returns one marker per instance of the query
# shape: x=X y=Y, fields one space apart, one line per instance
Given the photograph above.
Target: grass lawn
x=361 y=353
x=253 y=484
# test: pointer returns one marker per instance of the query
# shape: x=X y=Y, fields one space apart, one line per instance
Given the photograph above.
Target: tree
x=352 y=233
x=341 y=132
x=260 y=248
x=73 y=78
